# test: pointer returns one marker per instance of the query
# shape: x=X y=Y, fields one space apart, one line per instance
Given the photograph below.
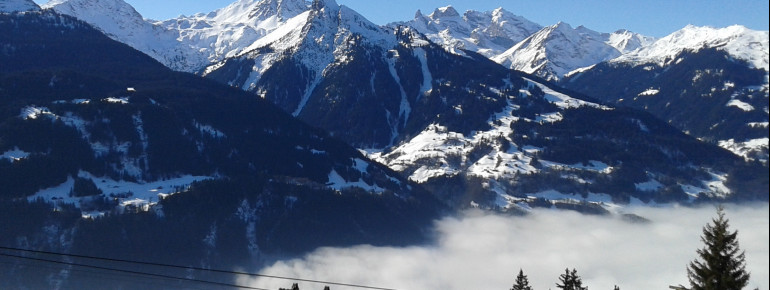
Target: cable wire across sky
x=256 y=275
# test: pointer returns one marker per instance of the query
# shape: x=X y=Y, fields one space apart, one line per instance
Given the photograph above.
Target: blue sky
x=650 y=17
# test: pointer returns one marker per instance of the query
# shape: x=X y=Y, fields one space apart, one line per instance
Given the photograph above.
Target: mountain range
x=383 y=89
x=193 y=43
x=142 y=134
x=726 y=95
x=99 y=140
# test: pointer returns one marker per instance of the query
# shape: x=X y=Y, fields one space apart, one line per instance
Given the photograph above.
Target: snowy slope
x=626 y=41
x=122 y=22
x=489 y=33
x=439 y=145
x=506 y=161
x=726 y=100
x=317 y=39
x=186 y=43
x=739 y=41
x=227 y=32
x=559 y=49
x=10 y=6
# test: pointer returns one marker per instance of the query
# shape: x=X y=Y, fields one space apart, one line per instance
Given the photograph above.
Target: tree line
x=721 y=264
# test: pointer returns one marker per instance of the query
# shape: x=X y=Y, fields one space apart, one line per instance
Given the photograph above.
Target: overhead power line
x=194 y=268
x=131 y=272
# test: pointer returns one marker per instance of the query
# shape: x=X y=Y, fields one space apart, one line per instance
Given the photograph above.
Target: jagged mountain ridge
x=189 y=43
x=326 y=48
x=108 y=148
x=493 y=131
x=557 y=50
x=515 y=42
x=186 y=43
x=488 y=33
x=726 y=98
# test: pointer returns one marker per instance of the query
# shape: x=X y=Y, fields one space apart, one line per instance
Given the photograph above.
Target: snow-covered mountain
x=465 y=127
x=122 y=22
x=186 y=43
x=381 y=87
x=287 y=65
x=488 y=33
x=738 y=41
x=10 y=6
x=549 y=52
x=104 y=148
x=559 y=49
x=724 y=98
x=227 y=32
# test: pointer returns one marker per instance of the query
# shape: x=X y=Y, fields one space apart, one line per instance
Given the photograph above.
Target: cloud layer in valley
x=486 y=251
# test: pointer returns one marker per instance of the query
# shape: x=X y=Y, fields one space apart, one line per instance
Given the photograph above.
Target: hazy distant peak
x=418 y=14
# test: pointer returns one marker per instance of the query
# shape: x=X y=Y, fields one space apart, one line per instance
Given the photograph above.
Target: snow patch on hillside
x=14 y=155
x=34 y=112
x=337 y=182
x=562 y=100
x=649 y=92
x=436 y=151
x=139 y=195
x=113 y=100
x=405 y=108
x=748 y=148
x=746 y=107
x=427 y=78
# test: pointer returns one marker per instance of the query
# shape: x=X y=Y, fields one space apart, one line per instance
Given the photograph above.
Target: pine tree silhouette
x=570 y=281
x=721 y=264
x=522 y=282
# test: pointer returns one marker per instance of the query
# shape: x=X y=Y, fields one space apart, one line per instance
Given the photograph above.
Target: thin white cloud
x=484 y=251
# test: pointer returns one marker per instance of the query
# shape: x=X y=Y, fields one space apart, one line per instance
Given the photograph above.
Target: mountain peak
x=249 y=11
x=442 y=12
x=418 y=14
x=321 y=4
x=562 y=25
x=499 y=10
x=489 y=33
x=557 y=50
x=95 y=10
x=11 y=6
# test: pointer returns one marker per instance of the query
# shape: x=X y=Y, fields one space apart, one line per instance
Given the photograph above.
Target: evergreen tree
x=522 y=282
x=722 y=265
x=570 y=281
